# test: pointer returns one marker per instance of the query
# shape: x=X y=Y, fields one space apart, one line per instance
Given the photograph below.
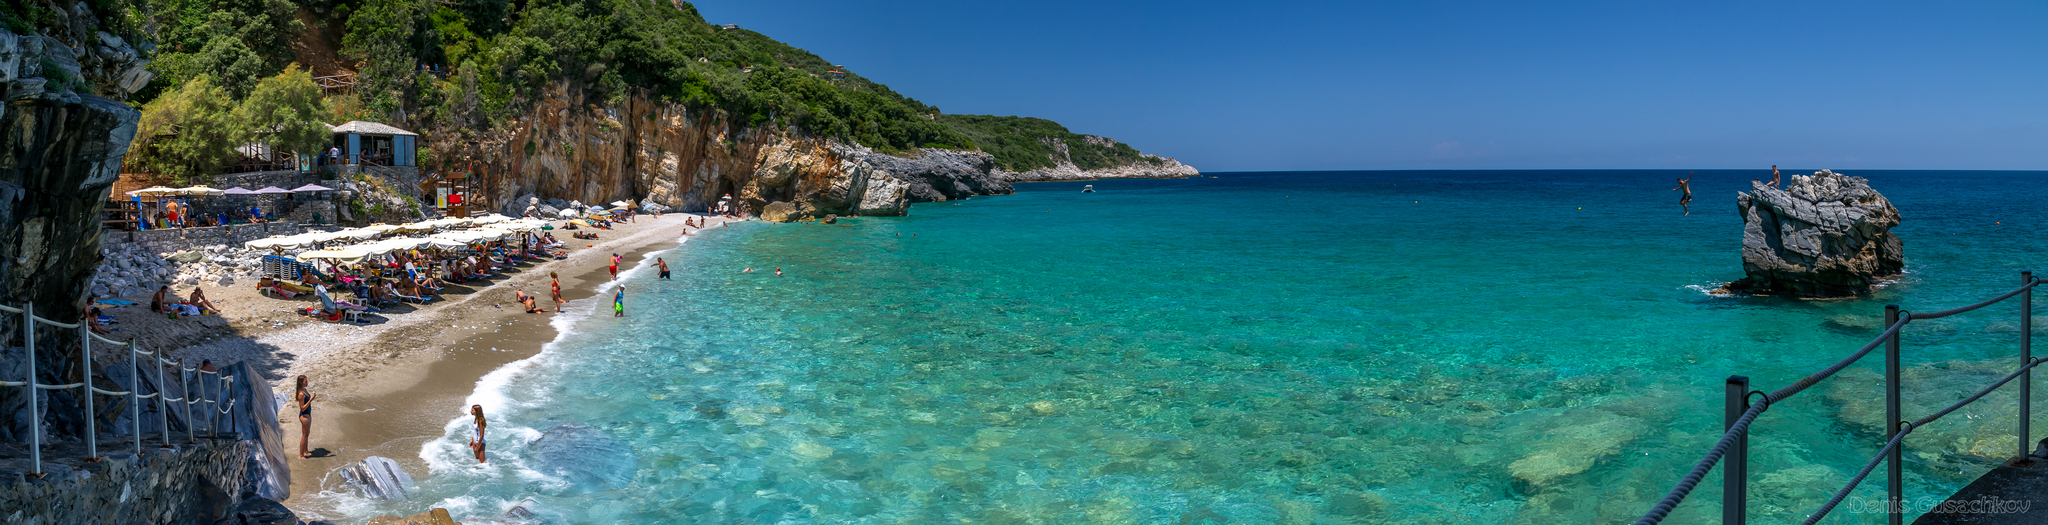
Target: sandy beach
x=386 y=386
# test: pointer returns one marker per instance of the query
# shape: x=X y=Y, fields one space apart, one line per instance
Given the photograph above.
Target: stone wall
x=187 y=483
x=257 y=180
x=179 y=239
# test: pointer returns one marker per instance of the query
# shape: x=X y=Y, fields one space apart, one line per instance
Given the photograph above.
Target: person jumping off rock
x=1686 y=200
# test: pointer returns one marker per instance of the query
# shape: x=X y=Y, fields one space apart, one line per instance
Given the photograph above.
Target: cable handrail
x=86 y=336
x=1737 y=432
x=1987 y=302
x=1741 y=427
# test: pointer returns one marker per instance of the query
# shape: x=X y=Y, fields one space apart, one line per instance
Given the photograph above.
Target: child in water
x=619 y=302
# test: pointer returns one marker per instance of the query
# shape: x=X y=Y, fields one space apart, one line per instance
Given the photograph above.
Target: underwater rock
x=1822 y=235
x=378 y=478
x=1579 y=439
x=586 y=457
x=433 y=517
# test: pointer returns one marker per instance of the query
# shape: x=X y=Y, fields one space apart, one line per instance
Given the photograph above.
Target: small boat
x=1088 y=189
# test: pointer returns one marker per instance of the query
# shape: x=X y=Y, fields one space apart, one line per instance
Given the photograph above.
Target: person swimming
x=778 y=271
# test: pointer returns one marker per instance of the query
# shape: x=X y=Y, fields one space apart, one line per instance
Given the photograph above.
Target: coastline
x=387 y=387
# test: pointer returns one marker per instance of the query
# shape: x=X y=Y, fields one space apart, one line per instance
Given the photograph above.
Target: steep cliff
x=60 y=151
x=666 y=153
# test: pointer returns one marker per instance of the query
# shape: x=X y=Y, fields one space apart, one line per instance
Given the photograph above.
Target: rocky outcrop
x=379 y=478
x=684 y=159
x=1165 y=169
x=1823 y=235
x=59 y=155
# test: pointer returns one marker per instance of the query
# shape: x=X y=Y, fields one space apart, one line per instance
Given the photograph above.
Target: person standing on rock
x=1686 y=200
x=1774 y=175
x=305 y=401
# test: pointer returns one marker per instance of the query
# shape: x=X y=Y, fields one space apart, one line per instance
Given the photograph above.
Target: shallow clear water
x=1400 y=347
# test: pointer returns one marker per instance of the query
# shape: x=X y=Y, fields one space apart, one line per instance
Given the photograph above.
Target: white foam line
x=492 y=390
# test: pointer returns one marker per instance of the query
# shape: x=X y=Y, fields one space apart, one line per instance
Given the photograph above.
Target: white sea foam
x=450 y=454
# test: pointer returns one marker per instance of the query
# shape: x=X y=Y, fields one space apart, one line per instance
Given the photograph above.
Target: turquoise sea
x=1324 y=347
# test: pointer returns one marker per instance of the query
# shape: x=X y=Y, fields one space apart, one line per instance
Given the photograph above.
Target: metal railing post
x=35 y=416
x=1894 y=488
x=135 y=395
x=92 y=443
x=163 y=404
x=1735 y=467
x=185 y=386
x=2026 y=356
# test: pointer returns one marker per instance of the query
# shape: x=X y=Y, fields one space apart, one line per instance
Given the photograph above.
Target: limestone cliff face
x=60 y=152
x=686 y=159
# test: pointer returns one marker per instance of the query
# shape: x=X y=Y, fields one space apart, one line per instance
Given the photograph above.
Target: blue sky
x=1277 y=85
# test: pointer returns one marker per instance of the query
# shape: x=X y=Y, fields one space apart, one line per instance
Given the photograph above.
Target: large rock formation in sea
x=1822 y=235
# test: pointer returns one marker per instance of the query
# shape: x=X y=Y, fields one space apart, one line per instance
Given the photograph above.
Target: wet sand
x=390 y=400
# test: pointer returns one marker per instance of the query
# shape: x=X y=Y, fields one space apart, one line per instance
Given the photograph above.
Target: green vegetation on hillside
x=1025 y=143
x=458 y=66
x=188 y=134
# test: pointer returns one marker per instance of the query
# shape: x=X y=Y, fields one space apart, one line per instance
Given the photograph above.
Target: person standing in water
x=1686 y=200
x=476 y=444
x=615 y=267
x=1774 y=175
x=619 y=302
x=664 y=268
x=305 y=401
x=556 y=285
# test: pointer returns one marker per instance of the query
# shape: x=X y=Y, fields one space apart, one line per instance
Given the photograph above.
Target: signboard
x=441 y=197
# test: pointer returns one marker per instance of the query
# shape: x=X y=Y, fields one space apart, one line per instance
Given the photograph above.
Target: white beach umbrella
x=201 y=191
x=445 y=244
x=338 y=255
x=154 y=191
x=279 y=242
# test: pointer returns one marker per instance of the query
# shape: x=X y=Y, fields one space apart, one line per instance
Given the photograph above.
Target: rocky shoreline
x=1169 y=169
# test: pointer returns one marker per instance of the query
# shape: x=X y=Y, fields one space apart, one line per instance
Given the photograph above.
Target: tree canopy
x=185 y=134
x=284 y=111
x=189 y=133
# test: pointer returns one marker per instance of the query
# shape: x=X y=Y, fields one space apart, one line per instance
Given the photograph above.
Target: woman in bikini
x=305 y=401
x=477 y=444
x=556 y=284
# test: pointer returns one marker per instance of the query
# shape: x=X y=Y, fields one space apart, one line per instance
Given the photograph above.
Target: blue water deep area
x=1319 y=347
